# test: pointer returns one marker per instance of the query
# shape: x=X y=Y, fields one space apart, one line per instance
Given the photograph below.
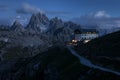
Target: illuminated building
x=85 y=35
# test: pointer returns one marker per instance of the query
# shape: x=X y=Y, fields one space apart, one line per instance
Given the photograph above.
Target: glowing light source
x=74 y=41
x=86 y=41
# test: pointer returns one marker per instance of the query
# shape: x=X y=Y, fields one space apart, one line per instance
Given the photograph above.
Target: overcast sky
x=64 y=9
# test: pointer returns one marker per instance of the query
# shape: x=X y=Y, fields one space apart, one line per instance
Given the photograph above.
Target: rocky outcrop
x=72 y=25
x=63 y=31
x=38 y=23
x=17 y=27
x=55 y=24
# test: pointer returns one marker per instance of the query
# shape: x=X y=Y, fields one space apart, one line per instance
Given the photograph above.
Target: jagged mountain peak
x=72 y=25
x=56 y=19
x=17 y=26
x=16 y=22
x=38 y=23
x=39 y=18
x=56 y=23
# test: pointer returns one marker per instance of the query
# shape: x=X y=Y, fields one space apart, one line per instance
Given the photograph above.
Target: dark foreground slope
x=104 y=51
x=55 y=64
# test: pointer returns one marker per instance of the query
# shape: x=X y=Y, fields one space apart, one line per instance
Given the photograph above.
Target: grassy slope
x=67 y=65
x=104 y=50
x=108 y=45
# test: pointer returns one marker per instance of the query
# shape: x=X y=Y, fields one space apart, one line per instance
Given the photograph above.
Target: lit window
x=86 y=41
x=74 y=41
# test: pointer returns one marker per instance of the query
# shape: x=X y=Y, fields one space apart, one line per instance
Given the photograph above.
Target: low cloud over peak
x=28 y=9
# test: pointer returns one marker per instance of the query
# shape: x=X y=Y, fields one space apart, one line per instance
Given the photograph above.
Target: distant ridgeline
x=54 y=29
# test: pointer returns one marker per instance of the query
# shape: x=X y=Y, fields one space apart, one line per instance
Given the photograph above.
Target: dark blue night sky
x=64 y=9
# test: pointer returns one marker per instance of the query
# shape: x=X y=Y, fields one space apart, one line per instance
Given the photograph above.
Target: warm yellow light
x=86 y=41
x=74 y=41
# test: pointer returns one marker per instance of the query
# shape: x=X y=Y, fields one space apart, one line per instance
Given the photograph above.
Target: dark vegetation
x=57 y=63
x=103 y=51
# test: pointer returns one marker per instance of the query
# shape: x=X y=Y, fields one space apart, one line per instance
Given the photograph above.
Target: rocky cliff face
x=17 y=27
x=55 y=24
x=35 y=32
x=72 y=25
x=38 y=23
x=64 y=31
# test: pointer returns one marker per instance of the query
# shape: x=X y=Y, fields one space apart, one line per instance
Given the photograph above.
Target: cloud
x=99 y=19
x=58 y=12
x=28 y=9
x=61 y=14
x=22 y=19
x=100 y=14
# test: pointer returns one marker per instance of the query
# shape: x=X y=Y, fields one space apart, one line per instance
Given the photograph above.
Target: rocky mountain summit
x=38 y=34
x=17 y=27
x=65 y=32
x=38 y=23
x=55 y=24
